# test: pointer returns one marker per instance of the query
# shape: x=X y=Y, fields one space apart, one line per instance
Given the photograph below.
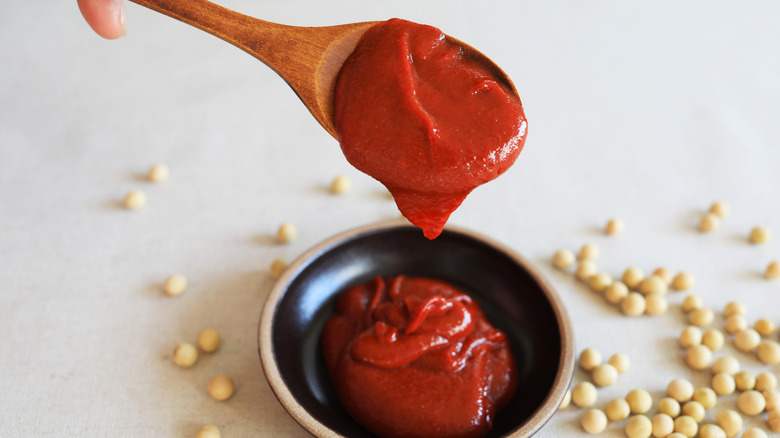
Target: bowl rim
x=273 y=375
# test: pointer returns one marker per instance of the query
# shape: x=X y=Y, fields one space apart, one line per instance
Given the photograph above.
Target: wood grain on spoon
x=307 y=58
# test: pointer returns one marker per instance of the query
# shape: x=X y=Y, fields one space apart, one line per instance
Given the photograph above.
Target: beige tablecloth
x=644 y=110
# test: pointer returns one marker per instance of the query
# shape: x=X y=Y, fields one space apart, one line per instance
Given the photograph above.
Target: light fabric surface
x=644 y=110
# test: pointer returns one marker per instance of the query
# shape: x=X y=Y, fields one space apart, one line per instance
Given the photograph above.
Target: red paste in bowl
x=429 y=122
x=415 y=357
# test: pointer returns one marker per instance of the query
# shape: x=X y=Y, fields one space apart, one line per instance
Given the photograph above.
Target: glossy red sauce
x=415 y=357
x=415 y=112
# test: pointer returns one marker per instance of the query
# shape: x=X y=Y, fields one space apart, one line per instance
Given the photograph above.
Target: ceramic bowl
x=514 y=297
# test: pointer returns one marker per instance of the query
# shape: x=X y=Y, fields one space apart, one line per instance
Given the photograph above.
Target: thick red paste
x=431 y=123
x=415 y=357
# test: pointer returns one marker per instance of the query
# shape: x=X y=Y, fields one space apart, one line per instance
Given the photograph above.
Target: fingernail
x=121 y=16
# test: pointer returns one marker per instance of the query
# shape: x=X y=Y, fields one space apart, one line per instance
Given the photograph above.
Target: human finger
x=106 y=17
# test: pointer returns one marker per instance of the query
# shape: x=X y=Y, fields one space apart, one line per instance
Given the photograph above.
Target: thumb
x=106 y=17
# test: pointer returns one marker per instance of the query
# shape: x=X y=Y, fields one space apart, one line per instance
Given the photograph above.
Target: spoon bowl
x=309 y=59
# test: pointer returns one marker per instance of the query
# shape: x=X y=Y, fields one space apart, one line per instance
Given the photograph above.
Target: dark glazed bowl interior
x=513 y=297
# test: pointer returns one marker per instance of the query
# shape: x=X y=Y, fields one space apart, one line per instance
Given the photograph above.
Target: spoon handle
x=307 y=58
x=255 y=36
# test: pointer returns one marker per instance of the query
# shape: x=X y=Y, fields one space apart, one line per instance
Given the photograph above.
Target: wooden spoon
x=309 y=59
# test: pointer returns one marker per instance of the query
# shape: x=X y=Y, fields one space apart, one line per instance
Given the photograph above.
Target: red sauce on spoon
x=427 y=121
